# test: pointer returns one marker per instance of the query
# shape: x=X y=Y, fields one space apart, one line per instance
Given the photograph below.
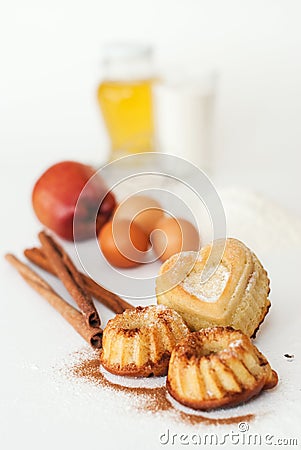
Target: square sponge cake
x=222 y=285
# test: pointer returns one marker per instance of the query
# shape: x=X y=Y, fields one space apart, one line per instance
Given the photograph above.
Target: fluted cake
x=139 y=341
x=236 y=294
x=217 y=367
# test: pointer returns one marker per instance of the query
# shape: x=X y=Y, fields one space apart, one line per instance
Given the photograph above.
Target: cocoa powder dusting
x=155 y=398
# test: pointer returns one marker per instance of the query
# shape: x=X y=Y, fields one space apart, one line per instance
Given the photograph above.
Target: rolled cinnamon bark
x=70 y=277
x=92 y=335
x=107 y=298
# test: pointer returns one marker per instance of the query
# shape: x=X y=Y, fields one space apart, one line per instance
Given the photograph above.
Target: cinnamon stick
x=70 y=277
x=92 y=335
x=107 y=298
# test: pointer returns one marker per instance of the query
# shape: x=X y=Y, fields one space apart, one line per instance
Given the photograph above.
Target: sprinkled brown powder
x=154 y=399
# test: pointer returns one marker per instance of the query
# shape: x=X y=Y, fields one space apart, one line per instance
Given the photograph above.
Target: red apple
x=55 y=196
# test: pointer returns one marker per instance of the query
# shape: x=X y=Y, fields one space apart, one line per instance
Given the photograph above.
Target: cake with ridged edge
x=138 y=342
x=236 y=294
x=217 y=367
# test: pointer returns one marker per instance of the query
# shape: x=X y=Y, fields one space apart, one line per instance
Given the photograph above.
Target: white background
x=50 y=67
x=49 y=70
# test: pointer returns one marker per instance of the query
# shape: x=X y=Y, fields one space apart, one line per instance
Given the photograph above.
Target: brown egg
x=122 y=242
x=142 y=210
x=173 y=236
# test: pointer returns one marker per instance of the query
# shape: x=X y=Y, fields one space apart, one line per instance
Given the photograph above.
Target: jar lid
x=127 y=61
x=117 y=52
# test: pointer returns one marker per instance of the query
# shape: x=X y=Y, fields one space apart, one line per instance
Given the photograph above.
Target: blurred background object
x=50 y=73
x=125 y=98
x=183 y=106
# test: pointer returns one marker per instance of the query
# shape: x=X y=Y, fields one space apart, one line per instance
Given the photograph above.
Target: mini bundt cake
x=139 y=341
x=217 y=367
x=235 y=295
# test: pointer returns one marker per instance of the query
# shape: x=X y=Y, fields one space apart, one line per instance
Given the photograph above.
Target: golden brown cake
x=235 y=295
x=217 y=367
x=139 y=341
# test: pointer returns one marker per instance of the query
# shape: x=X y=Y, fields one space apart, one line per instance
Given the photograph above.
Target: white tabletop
x=39 y=407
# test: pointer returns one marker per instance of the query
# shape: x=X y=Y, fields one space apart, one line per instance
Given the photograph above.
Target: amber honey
x=128 y=115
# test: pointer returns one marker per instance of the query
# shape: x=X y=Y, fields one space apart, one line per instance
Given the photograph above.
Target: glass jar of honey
x=125 y=98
